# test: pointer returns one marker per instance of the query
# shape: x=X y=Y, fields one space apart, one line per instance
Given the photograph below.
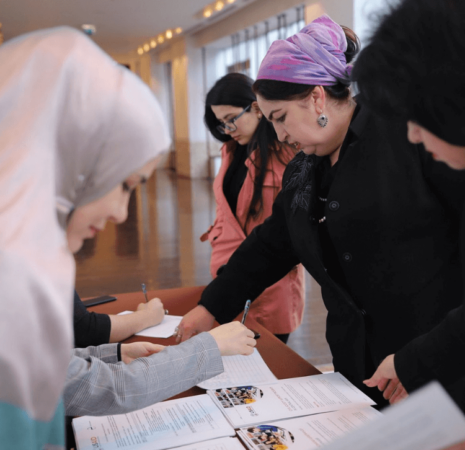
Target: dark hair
x=413 y=67
x=283 y=90
x=235 y=89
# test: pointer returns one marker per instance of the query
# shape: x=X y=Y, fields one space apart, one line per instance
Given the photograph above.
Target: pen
x=246 y=311
x=144 y=290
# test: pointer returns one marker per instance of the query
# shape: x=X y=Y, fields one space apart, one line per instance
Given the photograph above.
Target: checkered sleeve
x=98 y=385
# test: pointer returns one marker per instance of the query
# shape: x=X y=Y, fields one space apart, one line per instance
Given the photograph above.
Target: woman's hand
x=154 y=312
x=130 y=352
x=387 y=381
x=234 y=339
x=194 y=322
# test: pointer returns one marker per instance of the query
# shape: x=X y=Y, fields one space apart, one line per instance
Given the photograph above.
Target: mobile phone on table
x=98 y=300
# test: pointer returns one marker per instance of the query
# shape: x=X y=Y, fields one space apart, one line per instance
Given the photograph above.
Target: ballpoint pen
x=144 y=290
x=246 y=311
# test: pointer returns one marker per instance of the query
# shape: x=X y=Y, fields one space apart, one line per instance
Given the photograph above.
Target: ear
x=255 y=108
x=318 y=99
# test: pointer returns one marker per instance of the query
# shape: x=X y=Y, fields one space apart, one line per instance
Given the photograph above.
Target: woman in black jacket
x=372 y=217
x=432 y=100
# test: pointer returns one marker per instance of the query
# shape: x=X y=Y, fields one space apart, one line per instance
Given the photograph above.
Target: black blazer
x=393 y=217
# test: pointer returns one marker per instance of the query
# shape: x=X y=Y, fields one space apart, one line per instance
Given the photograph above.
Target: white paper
x=294 y=397
x=427 y=420
x=241 y=370
x=165 y=329
x=306 y=433
x=215 y=444
x=165 y=425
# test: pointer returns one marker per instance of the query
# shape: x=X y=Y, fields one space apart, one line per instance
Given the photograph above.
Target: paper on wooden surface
x=306 y=433
x=251 y=404
x=165 y=329
x=215 y=444
x=164 y=425
x=240 y=370
x=427 y=420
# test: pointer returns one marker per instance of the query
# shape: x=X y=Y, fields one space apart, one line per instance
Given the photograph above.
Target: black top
x=90 y=328
x=235 y=176
x=324 y=177
x=392 y=215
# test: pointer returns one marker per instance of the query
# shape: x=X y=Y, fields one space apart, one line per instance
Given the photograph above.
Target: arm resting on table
x=98 y=385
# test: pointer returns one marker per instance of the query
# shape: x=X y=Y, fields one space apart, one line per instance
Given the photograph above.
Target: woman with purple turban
x=371 y=216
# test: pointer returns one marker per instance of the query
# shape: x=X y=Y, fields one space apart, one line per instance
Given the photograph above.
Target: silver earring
x=322 y=120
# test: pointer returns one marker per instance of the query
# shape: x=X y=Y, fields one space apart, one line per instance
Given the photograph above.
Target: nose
x=281 y=133
x=120 y=211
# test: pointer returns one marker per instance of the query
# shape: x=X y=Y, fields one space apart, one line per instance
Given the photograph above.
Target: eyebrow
x=227 y=115
x=270 y=117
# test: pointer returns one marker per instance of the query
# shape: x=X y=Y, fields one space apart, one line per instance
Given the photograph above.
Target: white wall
x=366 y=14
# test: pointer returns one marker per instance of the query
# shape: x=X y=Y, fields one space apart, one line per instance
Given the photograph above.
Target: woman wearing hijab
x=371 y=216
x=250 y=177
x=416 y=58
x=77 y=134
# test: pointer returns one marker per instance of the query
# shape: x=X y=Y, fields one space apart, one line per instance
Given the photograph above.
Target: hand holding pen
x=244 y=316
x=144 y=290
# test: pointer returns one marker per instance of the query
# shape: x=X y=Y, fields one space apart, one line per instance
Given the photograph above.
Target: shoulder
x=298 y=168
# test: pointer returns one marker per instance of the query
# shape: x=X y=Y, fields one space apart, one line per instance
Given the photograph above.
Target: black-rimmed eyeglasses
x=230 y=125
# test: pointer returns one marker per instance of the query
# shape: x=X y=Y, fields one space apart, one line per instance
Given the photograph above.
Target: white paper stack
x=164 y=425
x=240 y=370
x=427 y=420
x=165 y=329
x=306 y=433
x=294 y=397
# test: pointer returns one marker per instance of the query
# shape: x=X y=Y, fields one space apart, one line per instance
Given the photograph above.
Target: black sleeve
x=438 y=354
x=447 y=184
x=89 y=328
x=261 y=260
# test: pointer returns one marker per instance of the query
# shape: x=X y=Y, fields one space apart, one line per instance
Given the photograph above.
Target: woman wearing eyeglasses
x=253 y=163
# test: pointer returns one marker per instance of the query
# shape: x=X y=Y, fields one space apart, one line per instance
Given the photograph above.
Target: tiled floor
x=159 y=245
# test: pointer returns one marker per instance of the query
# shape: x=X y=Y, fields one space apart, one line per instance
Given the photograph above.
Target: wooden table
x=281 y=360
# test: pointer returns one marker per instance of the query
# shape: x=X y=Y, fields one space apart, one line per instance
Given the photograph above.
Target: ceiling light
x=230 y=1
x=219 y=6
x=207 y=13
x=178 y=30
x=169 y=34
x=140 y=51
x=153 y=43
x=146 y=47
x=160 y=39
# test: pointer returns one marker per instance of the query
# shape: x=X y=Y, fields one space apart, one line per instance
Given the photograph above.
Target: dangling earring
x=259 y=116
x=322 y=120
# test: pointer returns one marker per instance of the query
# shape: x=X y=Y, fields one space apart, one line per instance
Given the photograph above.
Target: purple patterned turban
x=314 y=56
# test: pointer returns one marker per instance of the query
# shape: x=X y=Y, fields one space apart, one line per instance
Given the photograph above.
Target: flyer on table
x=294 y=397
x=306 y=433
x=164 y=425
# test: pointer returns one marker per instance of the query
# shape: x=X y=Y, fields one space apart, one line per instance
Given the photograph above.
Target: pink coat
x=280 y=307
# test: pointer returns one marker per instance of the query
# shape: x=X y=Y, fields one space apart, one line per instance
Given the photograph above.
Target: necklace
x=324 y=217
